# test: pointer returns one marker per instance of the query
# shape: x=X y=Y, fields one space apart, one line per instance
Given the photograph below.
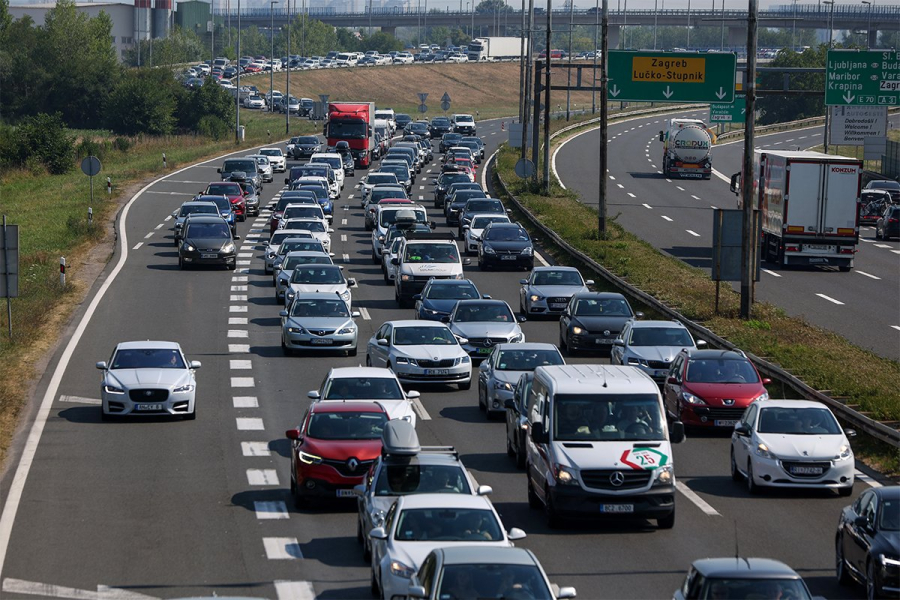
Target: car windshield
x=279 y=236
x=389 y=217
x=405 y=479
x=400 y=171
x=363 y=388
x=527 y=360
x=602 y=307
x=471 y=313
x=190 y=209
x=448 y=524
x=563 y=277
x=754 y=588
x=320 y=191
x=317 y=259
x=271 y=152
x=452 y=291
x=432 y=253
x=885 y=185
x=486 y=581
x=303 y=245
x=208 y=231
x=420 y=336
x=327 y=274
x=347 y=426
x=494 y=206
x=148 y=358
x=448 y=179
x=375 y=179
x=319 y=170
x=890 y=515
x=223 y=189
x=630 y=417
x=464 y=119
x=382 y=193
x=307 y=140
x=314 y=226
x=441 y=121
x=660 y=336
x=797 y=421
x=293 y=197
x=333 y=161
x=247 y=188
x=304 y=212
x=332 y=307
x=507 y=234
x=247 y=165
x=347 y=130
x=711 y=370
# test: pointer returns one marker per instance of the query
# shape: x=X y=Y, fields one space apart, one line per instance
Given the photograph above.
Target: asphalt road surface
x=675 y=215
x=173 y=509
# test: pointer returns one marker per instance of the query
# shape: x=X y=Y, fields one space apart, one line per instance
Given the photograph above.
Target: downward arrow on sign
x=614 y=91
x=848 y=97
x=668 y=93
x=720 y=94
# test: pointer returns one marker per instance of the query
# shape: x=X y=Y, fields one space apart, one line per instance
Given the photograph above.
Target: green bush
x=122 y=144
x=88 y=147
x=213 y=127
x=143 y=102
x=43 y=138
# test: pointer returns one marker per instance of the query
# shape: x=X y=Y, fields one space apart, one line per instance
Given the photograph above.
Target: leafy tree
x=144 y=101
x=43 y=138
x=777 y=109
x=207 y=104
x=181 y=46
x=490 y=6
x=381 y=42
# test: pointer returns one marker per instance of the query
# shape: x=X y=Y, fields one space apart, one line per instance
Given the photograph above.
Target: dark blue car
x=440 y=296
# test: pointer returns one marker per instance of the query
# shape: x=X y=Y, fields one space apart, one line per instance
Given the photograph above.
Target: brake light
x=892 y=220
x=847 y=251
x=792 y=248
x=795 y=229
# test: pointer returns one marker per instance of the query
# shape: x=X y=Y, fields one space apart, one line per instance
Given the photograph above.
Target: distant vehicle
x=494 y=48
x=892 y=187
x=686 y=149
x=353 y=122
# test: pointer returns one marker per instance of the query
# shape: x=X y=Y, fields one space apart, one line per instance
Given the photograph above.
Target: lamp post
x=569 y=70
x=794 y=29
x=287 y=114
x=596 y=51
x=272 y=4
x=237 y=96
x=688 y=44
x=722 y=46
x=212 y=37
x=472 y=34
x=656 y=20
x=830 y=42
x=625 y=27
x=869 y=24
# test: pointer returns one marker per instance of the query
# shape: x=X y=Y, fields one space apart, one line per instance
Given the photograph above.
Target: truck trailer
x=809 y=207
x=354 y=123
x=686 y=149
x=494 y=48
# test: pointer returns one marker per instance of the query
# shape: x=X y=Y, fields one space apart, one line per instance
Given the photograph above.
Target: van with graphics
x=599 y=445
x=421 y=258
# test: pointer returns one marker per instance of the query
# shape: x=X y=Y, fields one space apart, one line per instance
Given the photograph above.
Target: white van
x=332 y=159
x=422 y=257
x=599 y=445
x=347 y=59
x=388 y=115
x=385 y=216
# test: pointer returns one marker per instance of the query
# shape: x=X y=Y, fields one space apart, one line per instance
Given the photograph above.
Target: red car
x=235 y=194
x=333 y=448
x=711 y=388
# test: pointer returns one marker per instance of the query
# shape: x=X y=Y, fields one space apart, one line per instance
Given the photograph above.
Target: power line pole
x=287 y=114
x=569 y=73
x=237 y=95
x=596 y=50
x=748 y=231
x=547 y=101
x=529 y=51
x=604 y=119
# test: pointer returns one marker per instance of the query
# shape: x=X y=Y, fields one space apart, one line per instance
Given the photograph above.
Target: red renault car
x=235 y=194
x=711 y=388
x=333 y=448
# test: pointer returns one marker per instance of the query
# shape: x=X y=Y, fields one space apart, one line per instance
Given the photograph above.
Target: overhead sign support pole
x=748 y=231
x=604 y=120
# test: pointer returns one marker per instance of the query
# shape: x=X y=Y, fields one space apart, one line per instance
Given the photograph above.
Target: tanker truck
x=686 y=147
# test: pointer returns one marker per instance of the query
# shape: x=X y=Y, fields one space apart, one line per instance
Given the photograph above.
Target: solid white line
x=365 y=313
x=693 y=233
x=882 y=246
x=80 y=400
x=282 y=549
x=262 y=477
x=491 y=157
x=648 y=206
x=666 y=218
x=420 y=410
x=295 y=590
x=245 y=402
x=275 y=509
x=541 y=259
x=870 y=276
x=240 y=365
x=896 y=251
x=138 y=245
x=47 y=590
x=866 y=479
x=772 y=273
x=237 y=321
x=242 y=382
x=697 y=500
x=255 y=449
x=830 y=299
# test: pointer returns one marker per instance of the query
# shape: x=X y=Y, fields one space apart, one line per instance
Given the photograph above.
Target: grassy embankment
x=823 y=359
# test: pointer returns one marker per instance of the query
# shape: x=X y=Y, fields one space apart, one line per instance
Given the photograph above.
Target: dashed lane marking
x=343 y=237
x=882 y=246
x=647 y=206
x=138 y=245
x=693 y=233
x=249 y=424
x=239 y=279
x=830 y=299
x=81 y=400
x=278 y=548
x=420 y=409
x=365 y=313
x=238 y=348
x=245 y=254
x=697 y=500
x=666 y=218
x=245 y=402
x=295 y=590
x=240 y=365
x=772 y=273
x=239 y=288
x=621 y=187
x=345 y=257
x=262 y=477
x=632 y=195
x=238 y=297
x=897 y=327
x=168 y=218
x=268 y=510
x=679 y=188
x=695 y=197
x=255 y=449
x=160 y=226
x=236 y=309
x=343 y=221
x=869 y=275
x=237 y=320
x=242 y=382
x=148 y=236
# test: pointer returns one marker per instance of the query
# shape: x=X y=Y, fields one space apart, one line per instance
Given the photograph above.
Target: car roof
x=434 y=282
x=527 y=346
x=205 y=218
x=481 y=301
x=202 y=202
x=600 y=295
x=614 y=379
x=339 y=407
x=370 y=372
x=417 y=323
x=443 y=501
x=504 y=225
x=783 y=403
x=658 y=324
x=147 y=344
x=716 y=354
x=888 y=491
x=296 y=253
x=485 y=555
x=744 y=568
x=555 y=268
x=317 y=296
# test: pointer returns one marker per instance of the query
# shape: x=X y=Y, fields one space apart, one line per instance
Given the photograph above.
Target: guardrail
x=861 y=422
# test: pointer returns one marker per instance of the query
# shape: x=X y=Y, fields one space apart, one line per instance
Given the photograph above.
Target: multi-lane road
x=172 y=509
x=676 y=217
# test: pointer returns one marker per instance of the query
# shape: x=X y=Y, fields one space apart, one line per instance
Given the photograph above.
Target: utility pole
x=237 y=95
x=529 y=51
x=596 y=50
x=869 y=25
x=722 y=46
x=272 y=4
x=569 y=73
x=287 y=114
x=604 y=118
x=688 y=45
x=523 y=91
x=830 y=45
x=547 y=101
x=748 y=231
x=212 y=37
x=656 y=20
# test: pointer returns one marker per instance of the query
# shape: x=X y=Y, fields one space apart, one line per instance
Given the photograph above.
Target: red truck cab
x=352 y=122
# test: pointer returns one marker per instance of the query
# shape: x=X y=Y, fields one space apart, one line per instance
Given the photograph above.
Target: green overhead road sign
x=862 y=78
x=729 y=113
x=671 y=76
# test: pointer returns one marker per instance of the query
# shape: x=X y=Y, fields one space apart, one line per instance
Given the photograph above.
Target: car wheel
x=510 y=451
x=667 y=522
x=840 y=567
x=465 y=386
x=352 y=352
x=872 y=590
x=520 y=454
x=533 y=501
x=375 y=260
x=752 y=488
x=550 y=514
x=735 y=474
x=482 y=404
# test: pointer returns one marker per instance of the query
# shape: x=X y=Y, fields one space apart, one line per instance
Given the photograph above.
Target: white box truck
x=809 y=207
x=494 y=48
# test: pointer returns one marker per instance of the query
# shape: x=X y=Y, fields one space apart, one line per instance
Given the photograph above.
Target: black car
x=402 y=120
x=517 y=420
x=419 y=128
x=475 y=140
x=888 y=225
x=439 y=126
x=476 y=206
x=448 y=140
x=890 y=185
x=207 y=241
x=867 y=546
x=737 y=577
x=306 y=146
x=505 y=245
x=456 y=202
x=444 y=181
x=440 y=296
x=593 y=320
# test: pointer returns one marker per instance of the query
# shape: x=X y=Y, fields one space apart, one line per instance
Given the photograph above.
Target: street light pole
x=688 y=45
x=287 y=114
x=569 y=74
x=794 y=29
x=212 y=37
x=749 y=235
x=604 y=118
x=830 y=44
x=656 y=20
x=722 y=46
x=237 y=95
x=624 y=44
x=596 y=50
x=272 y=4
x=869 y=25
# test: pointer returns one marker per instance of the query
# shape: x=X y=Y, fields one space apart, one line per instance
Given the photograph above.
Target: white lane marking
x=295 y=590
x=772 y=273
x=830 y=299
x=242 y=382
x=81 y=400
x=713 y=207
x=148 y=236
x=343 y=221
x=245 y=255
x=621 y=187
x=697 y=500
x=666 y=218
x=237 y=320
x=882 y=246
x=48 y=590
x=680 y=189
x=345 y=257
x=243 y=263
x=343 y=237
x=350 y=197
x=160 y=226
x=238 y=333
x=896 y=251
x=245 y=402
x=695 y=197
x=240 y=279
x=632 y=195
x=255 y=449
x=365 y=313
x=239 y=288
x=262 y=476
x=693 y=233
x=897 y=327
x=491 y=157
x=138 y=245
x=238 y=349
x=282 y=548
x=612 y=177
x=541 y=259
x=648 y=206
x=721 y=176
x=256 y=231
x=168 y=218
x=238 y=298
x=421 y=187
x=420 y=410
x=866 y=479
x=869 y=275
x=240 y=365
x=668 y=180
x=270 y=510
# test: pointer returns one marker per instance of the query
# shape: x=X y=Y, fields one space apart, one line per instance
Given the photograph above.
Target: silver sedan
x=548 y=290
x=318 y=321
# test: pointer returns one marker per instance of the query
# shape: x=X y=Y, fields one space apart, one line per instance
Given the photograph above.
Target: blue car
x=323 y=199
x=225 y=210
x=440 y=296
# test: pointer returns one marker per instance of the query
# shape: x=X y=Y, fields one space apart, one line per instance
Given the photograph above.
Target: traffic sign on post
x=423 y=96
x=446 y=97
x=423 y=108
x=671 y=76
x=862 y=78
x=729 y=113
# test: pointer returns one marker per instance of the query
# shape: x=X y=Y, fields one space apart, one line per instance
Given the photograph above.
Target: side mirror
x=515 y=534
x=283 y=313
x=672 y=380
x=538 y=435
x=766 y=381
x=736 y=184
x=287 y=180
x=195 y=364
x=861 y=522
x=484 y=490
x=701 y=343
x=412 y=394
x=355 y=314
x=676 y=432
x=467 y=262
x=378 y=534
x=416 y=591
x=329 y=230
x=850 y=433
x=638 y=315
x=219 y=170
x=314 y=394
x=619 y=342
x=359 y=490
x=395 y=261
x=417 y=297
x=101 y=364
x=433 y=225
x=660 y=136
x=175 y=214
x=566 y=592
x=510 y=404
x=466 y=227
x=462 y=340
x=351 y=282
x=522 y=318
x=445 y=319
x=589 y=282
x=523 y=281
x=382 y=342
x=293 y=434
x=486 y=296
x=742 y=429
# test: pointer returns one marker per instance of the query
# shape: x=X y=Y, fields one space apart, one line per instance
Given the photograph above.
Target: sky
x=632 y=4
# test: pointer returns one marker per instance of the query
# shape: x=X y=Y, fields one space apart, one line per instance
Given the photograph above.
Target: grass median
x=824 y=360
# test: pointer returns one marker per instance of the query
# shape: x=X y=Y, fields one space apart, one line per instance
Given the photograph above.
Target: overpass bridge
x=809 y=16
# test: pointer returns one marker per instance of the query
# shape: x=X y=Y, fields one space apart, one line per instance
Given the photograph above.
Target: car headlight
x=228 y=247
x=405 y=277
x=399 y=569
x=577 y=330
x=188 y=387
x=691 y=399
x=503 y=385
x=487 y=249
x=566 y=476
x=763 y=450
x=535 y=298
x=111 y=389
x=402 y=360
x=844 y=453
x=664 y=476
x=457 y=276
x=187 y=247
x=528 y=251
x=763 y=396
x=296 y=330
x=309 y=459
x=887 y=561
x=346 y=330
x=345 y=295
x=462 y=360
x=428 y=311
x=515 y=339
x=637 y=361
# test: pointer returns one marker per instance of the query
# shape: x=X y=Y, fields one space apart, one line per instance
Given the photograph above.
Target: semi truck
x=686 y=149
x=354 y=123
x=809 y=207
x=494 y=48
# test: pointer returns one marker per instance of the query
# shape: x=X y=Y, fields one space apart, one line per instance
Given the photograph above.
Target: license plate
x=726 y=423
x=345 y=494
x=484 y=350
x=437 y=371
x=508 y=257
x=603 y=341
x=659 y=373
x=322 y=341
x=148 y=407
x=208 y=256
x=806 y=470
x=557 y=306
x=819 y=248
x=617 y=508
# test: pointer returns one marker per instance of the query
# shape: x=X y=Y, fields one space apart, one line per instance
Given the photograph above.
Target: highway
x=170 y=509
x=676 y=217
